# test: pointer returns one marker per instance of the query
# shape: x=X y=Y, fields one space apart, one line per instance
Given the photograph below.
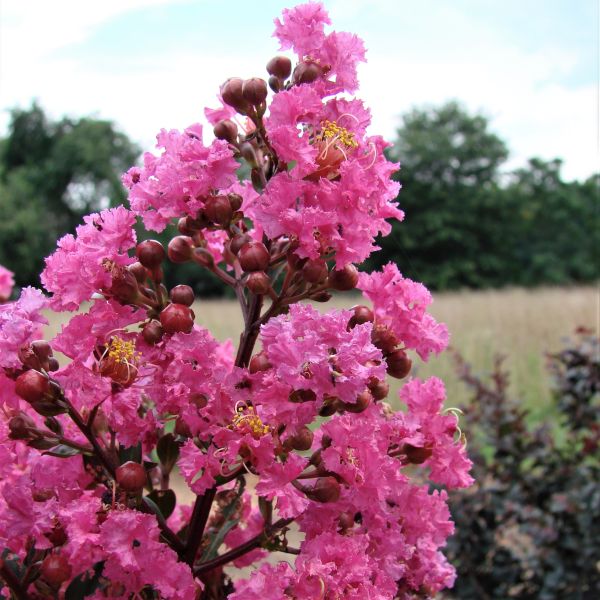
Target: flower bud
x=124 y=285
x=180 y=249
x=275 y=83
x=326 y=489
x=139 y=272
x=302 y=396
x=235 y=201
x=255 y=90
x=218 y=209
x=259 y=362
x=363 y=400
x=378 y=388
x=279 y=66
x=57 y=536
x=416 y=455
x=307 y=71
x=315 y=270
x=258 y=283
x=36 y=355
x=182 y=294
x=55 y=569
x=200 y=401
x=20 y=426
x=231 y=92
x=384 y=339
x=203 y=257
x=32 y=386
x=131 y=476
x=398 y=364
x=330 y=406
x=237 y=241
x=182 y=428
x=302 y=440
x=177 y=318
x=362 y=314
x=152 y=332
x=346 y=520
x=254 y=256
x=226 y=130
x=150 y=253
x=344 y=279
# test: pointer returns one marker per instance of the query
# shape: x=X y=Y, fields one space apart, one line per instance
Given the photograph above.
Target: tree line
x=468 y=224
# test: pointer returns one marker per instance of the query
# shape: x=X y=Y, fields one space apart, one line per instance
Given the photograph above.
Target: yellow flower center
x=123 y=351
x=330 y=130
x=246 y=420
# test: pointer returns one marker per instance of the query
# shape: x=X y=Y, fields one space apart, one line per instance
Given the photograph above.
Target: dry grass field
x=520 y=324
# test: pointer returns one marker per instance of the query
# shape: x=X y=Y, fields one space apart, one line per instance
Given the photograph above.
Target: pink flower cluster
x=284 y=443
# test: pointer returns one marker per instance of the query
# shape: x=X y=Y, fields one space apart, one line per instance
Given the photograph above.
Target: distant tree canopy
x=51 y=175
x=466 y=225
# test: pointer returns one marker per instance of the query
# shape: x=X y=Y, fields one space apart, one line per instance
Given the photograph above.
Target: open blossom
x=175 y=183
x=401 y=304
x=20 y=323
x=6 y=283
x=83 y=263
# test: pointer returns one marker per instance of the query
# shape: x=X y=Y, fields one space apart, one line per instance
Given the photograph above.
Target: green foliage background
x=467 y=223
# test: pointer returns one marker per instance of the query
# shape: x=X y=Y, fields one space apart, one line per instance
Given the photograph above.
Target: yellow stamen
x=332 y=131
x=123 y=351
x=247 y=419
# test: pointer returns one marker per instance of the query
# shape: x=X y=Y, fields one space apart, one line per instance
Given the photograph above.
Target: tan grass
x=521 y=324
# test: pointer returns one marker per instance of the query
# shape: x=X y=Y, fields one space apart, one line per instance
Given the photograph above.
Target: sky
x=530 y=66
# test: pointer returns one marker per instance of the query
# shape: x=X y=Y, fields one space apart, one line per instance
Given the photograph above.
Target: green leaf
x=62 y=451
x=165 y=500
x=168 y=451
x=85 y=584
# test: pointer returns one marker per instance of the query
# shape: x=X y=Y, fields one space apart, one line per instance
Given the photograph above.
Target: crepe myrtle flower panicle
x=140 y=457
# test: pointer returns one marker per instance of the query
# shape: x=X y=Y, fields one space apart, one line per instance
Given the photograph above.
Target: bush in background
x=530 y=527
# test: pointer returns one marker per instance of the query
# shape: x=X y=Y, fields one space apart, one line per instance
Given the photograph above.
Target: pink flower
x=315 y=351
x=269 y=582
x=20 y=323
x=401 y=305
x=82 y=265
x=175 y=183
x=6 y=283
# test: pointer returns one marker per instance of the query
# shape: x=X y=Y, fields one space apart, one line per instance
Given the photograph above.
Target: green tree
x=51 y=175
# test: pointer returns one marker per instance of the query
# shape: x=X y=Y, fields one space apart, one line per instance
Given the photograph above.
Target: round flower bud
x=231 y=92
x=57 y=536
x=259 y=362
x=150 y=253
x=307 y=72
x=237 y=241
x=177 y=318
x=254 y=256
x=32 y=386
x=258 y=283
x=275 y=83
x=398 y=364
x=235 y=201
x=302 y=440
x=384 y=339
x=378 y=388
x=182 y=294
x=302 y=396
x=362 y=314
x=330 y=406
x=55 y=569
x=226 y=130
x=345 y=279
x=326 y=489
x=124 y=285
x=180 y=249
x=416 y=455
x=52 y=364
x=255 y=90
x=20 y=427
x=363 y=400
x=346 y=520
x=218 y=209
x=279 y=66
x=182 y=428
x=315 y=270
x=131 y=476
x=152 y=332
x=139 y=271
x=36 y=355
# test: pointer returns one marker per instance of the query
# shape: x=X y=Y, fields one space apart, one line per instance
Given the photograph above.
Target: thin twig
x=198 y=523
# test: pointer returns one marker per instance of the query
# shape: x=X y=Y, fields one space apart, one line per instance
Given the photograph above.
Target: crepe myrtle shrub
x=530 y=526
x=285 y=440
